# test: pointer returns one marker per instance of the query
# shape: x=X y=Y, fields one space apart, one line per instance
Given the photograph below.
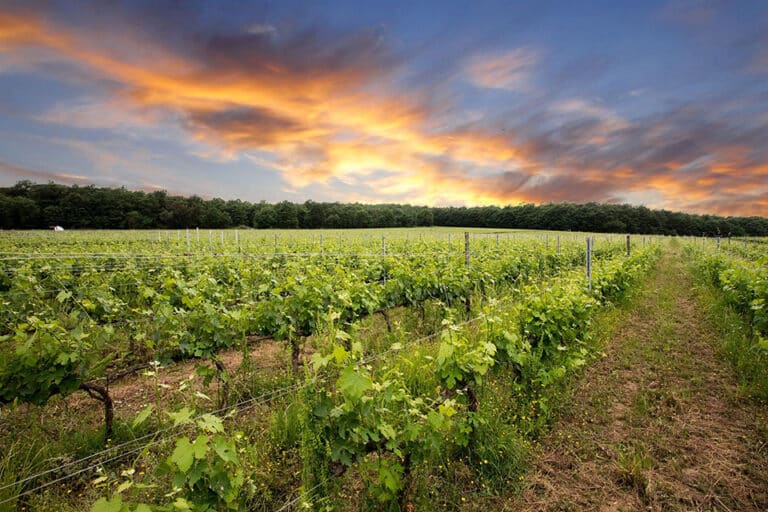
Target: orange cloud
x=272 y=106
x=324 y=109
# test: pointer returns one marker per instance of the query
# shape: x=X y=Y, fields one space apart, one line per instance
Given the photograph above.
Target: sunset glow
x=503 y=107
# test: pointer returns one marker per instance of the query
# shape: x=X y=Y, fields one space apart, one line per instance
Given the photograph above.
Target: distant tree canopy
x=27 y=205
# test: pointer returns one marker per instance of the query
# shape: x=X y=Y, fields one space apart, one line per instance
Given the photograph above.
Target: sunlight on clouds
x=605 y=122
x=509 y=70
x=322 y=109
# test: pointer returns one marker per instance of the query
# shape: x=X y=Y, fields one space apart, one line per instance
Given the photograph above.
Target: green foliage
x=41 y=359
x=382 y=419
x=115 y=504
x=88 y=316
x=744 y=285
x=742 y=293
x=463 y=361
x=314 y=443
x=555 y=317
x=383 y=478
x=206 y=472
x=373 y=422
x=31 y=206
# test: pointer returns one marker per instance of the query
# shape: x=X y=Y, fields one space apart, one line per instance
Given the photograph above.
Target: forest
x=28 y=205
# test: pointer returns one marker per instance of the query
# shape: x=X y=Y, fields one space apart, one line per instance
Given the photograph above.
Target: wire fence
x=18 y=257
x=127 y=448
x=302 y=494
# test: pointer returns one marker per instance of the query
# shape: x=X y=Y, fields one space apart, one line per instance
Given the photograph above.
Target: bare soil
x=133 y=392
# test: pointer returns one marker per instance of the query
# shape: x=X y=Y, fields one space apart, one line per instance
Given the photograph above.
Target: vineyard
x=296 y=370
x=739 y=274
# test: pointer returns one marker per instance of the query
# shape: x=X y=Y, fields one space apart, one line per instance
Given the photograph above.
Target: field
x=397 y=369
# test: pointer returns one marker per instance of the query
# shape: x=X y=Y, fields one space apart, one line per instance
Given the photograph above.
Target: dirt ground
x=133 y=392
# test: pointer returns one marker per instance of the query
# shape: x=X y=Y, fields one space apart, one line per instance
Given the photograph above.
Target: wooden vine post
x=384 y=257
x=466 y=248
x=589 y=263
x=467 y=304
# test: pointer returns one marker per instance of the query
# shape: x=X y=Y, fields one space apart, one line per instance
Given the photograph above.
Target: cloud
x=510 y=70
x=250 y=127
x=686 y=158
x=109 y=113
x=11 y=174
x=16 y=173
x=326 y=108
x=589 y=122
x=261 y=28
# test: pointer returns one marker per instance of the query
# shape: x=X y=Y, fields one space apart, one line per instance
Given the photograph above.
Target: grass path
x=659 y=423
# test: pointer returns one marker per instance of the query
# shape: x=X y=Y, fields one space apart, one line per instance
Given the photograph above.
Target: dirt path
x=659 y=423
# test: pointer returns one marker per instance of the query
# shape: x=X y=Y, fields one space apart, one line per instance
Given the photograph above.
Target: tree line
x=28 y=205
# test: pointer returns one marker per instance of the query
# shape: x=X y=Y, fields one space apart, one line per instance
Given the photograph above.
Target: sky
x=655 y=103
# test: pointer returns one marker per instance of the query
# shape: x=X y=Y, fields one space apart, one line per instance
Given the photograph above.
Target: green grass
x=735 y=342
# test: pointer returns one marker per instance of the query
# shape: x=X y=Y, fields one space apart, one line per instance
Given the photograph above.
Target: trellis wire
x=239 y=407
